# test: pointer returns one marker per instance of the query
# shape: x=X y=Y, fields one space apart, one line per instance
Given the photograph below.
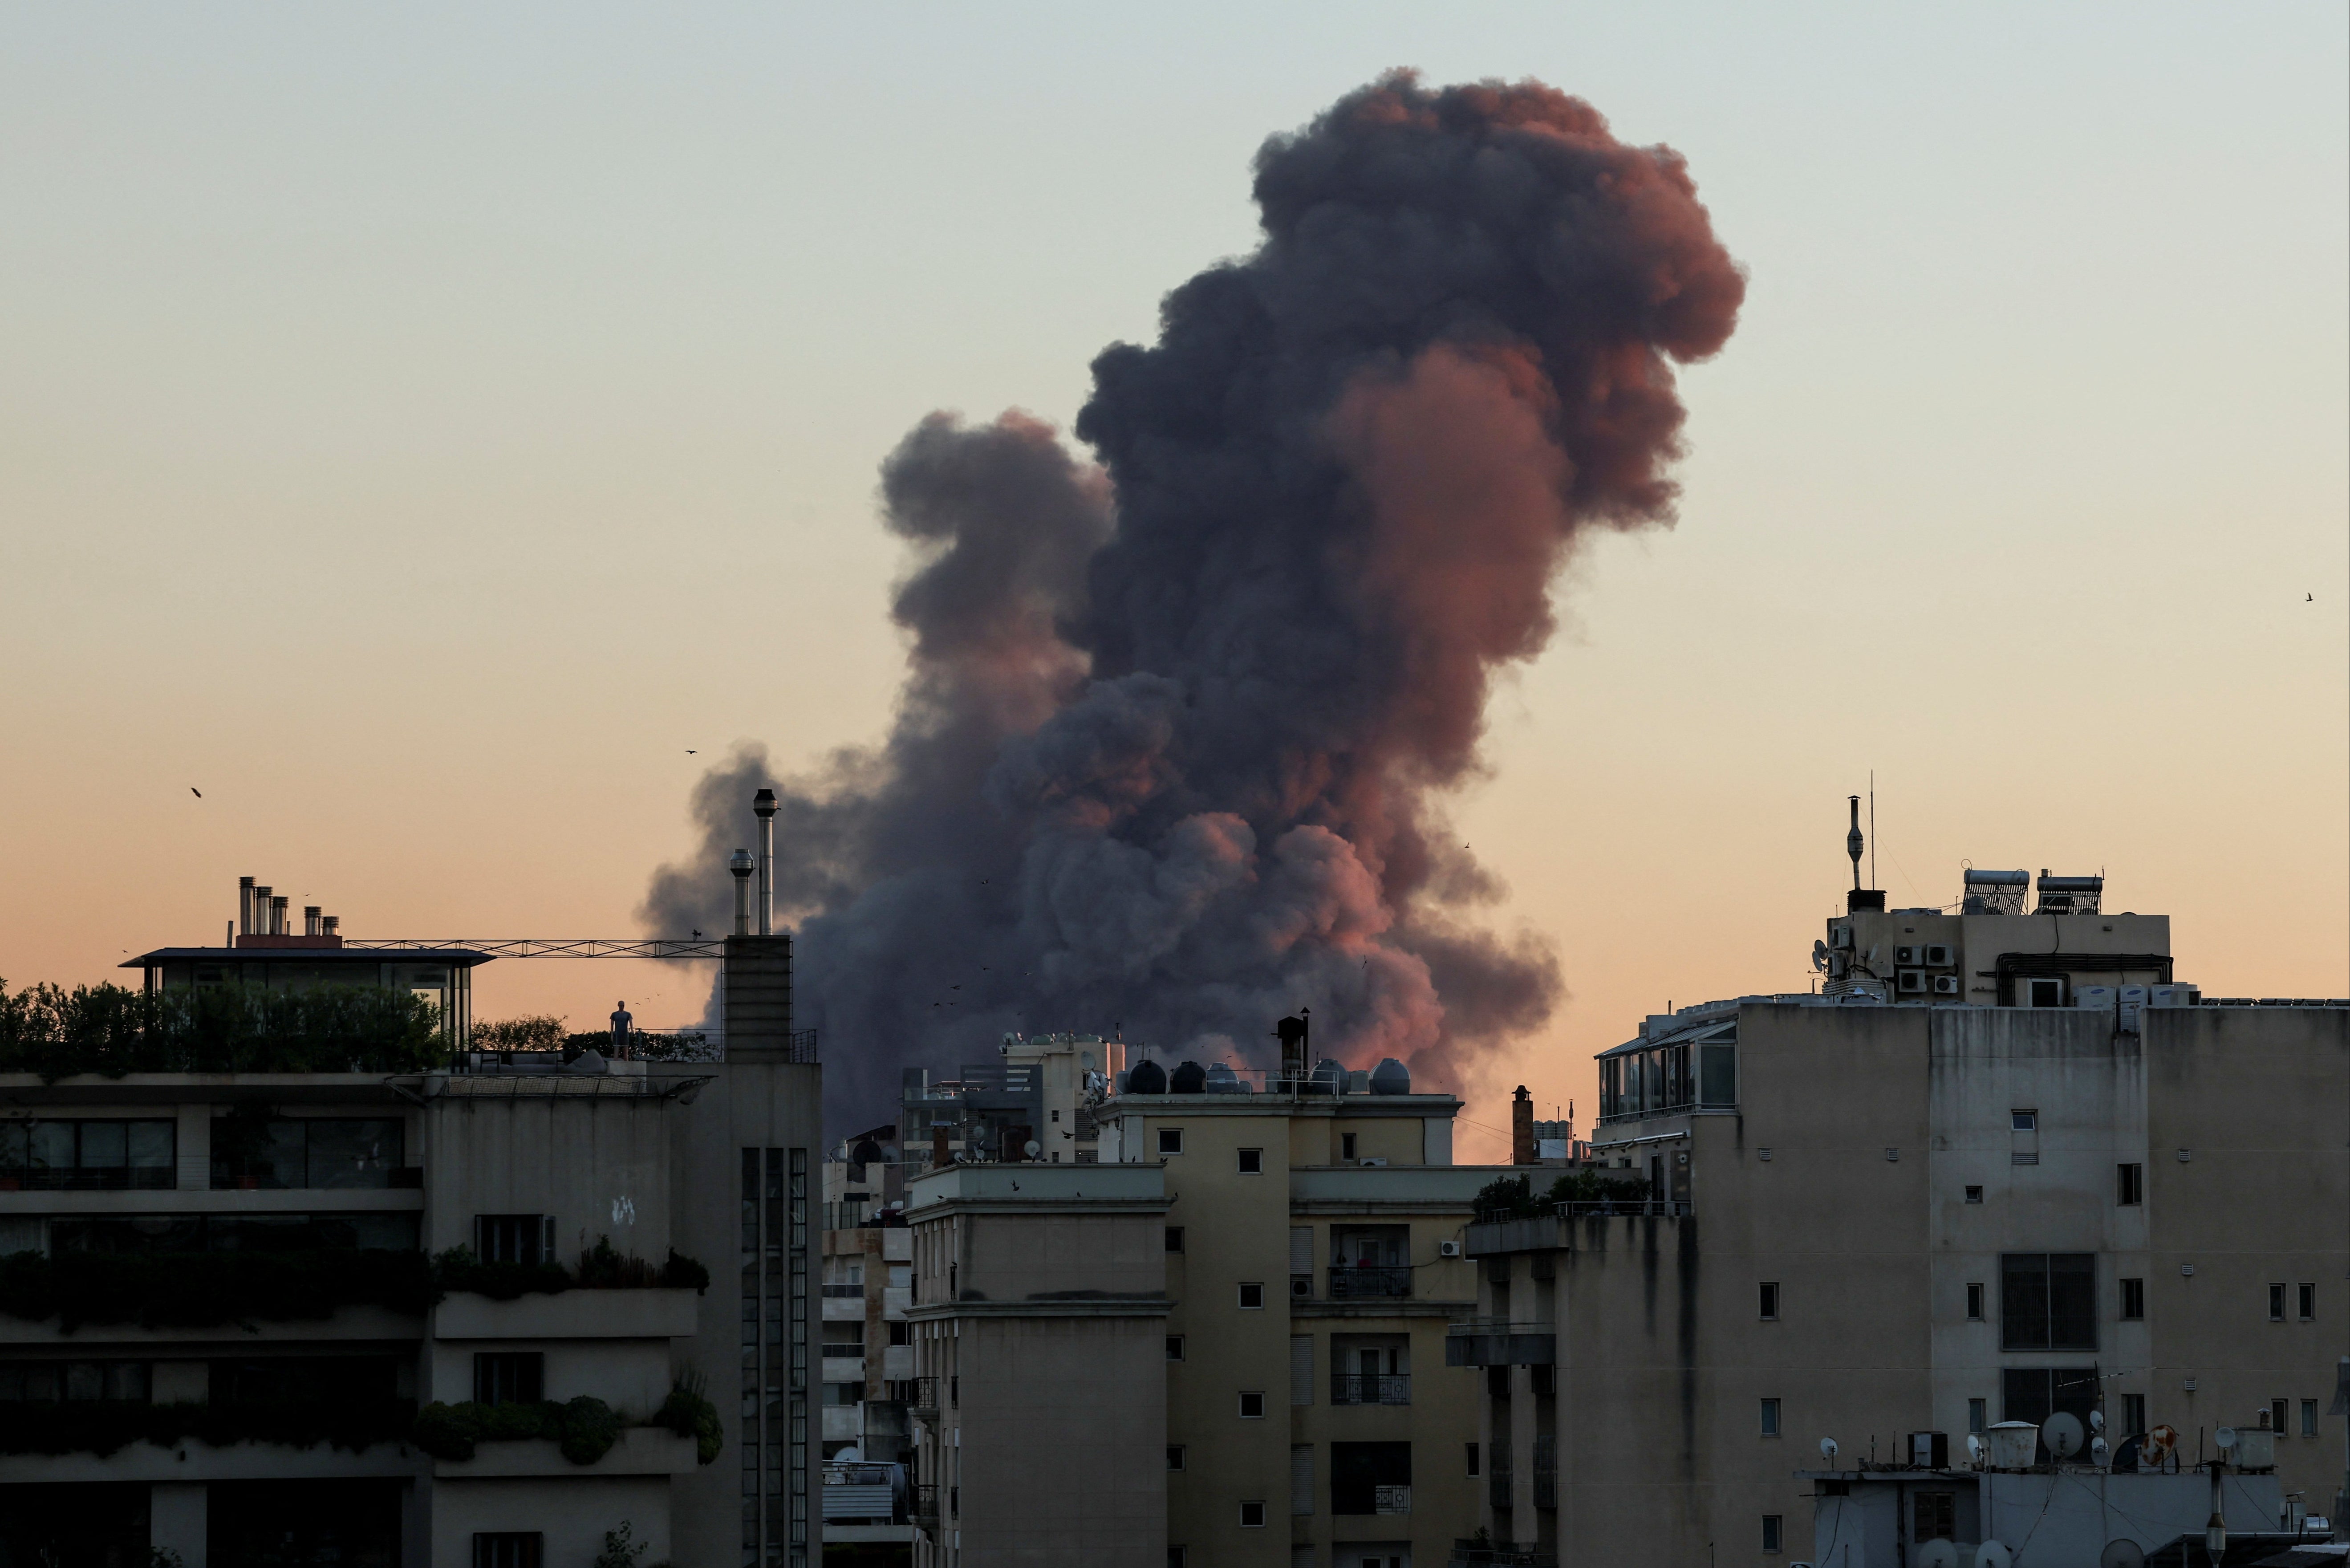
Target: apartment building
x=867 y=1368
x=2003 y=1165
x=1041 y=1089
x=443 y=1310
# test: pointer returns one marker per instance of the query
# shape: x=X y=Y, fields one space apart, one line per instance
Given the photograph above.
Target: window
x=1345 y=1146
x=1300 y=1480
x=1174 y=1557
x=1174 y=1347
x=2024 y=1121
x=1978 y=1416
x=2036 y=1393
x=509 y=1377
x=1770 y=1418
x=1252 y=1405
x=1174 y=1456
x=275 y=1152
x=2276 y=1303
x=1253 y=1516
x=1171 y=1140
x=2308 y=1303
x=1770 y=1302
x=1251 y=1162
x=1974 y=1195
x=2133 y=1301
x=1174 y=1237
x=2279 y=1410
x=843 y=1395
x=513 y=1238
x=2043 y=993
x=2129 y=1185
x=2309 y=1418
x=1371 y=1477
x=1770 y=1532
x=48 y=1382
x=508 y=1549
x=2048 y=1300
x=1251 y=1295
x=2133 y=1414
x=84 y=1155
x=1472 y=1448
x=1974 y=1304
x=1934 y=1516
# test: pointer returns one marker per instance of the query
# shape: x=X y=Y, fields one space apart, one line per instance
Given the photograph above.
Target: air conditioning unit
x=1941 y=955
x=2173 y=996
x=2099 y=996
x=1840 y=937
x=1946 y=985
x=1912 y=981
x=1371 y=1159
x=1448 y=1249
x=1902 y=956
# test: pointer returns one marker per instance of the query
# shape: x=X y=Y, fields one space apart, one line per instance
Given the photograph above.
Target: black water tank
x=1146 y=1077
x=1191 y=1078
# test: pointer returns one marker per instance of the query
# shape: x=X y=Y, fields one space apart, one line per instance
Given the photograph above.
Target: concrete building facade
x=463 y=1315
x=2006 y=1167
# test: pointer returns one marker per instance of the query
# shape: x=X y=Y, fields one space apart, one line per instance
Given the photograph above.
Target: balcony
x=1487 y=1342
x=924 y=1508
x=1469 y=1554
x=921 y=1396
x=649 y=1313
x=1370 y=1388
x=1367 y=1283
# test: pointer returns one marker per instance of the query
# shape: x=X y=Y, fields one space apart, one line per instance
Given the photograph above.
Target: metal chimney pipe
x=739 y=864
x=277 y=915
x=330 y=925
x=261 y=911
x=310 y=920
x=244 y=906
x=764 y=802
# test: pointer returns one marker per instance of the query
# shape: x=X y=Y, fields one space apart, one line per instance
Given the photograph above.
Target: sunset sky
x=421 y=427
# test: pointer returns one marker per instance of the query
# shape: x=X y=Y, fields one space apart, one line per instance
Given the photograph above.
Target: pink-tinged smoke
x=1176 y=729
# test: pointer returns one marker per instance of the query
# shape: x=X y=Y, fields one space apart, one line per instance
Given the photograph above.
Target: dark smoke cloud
x=1176 y=729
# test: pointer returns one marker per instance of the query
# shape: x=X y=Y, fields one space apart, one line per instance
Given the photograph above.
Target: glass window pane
x=2072 y=1301
x=2023 y=1302
x=353 y=1153
x=15 y=1144
x=152 y=1145
x=53 y=1146
x=103 y=1145
x=1719 y=1064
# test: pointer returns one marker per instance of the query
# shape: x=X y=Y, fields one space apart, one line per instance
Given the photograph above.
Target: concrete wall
x=599 y=1165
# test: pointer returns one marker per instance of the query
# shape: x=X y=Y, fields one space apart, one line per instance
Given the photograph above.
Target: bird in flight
x=194 y=791
x=692 y=752
x=2308 y=598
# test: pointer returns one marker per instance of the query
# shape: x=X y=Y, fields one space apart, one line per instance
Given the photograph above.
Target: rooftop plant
x=111 y=1030
x=101 y=1427
x=206 y=1290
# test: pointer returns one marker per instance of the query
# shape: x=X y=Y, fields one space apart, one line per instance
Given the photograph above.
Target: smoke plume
x=1177 y=729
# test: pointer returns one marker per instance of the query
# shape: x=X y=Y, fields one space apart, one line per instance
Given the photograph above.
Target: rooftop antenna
x=1851 y=840
x=1872 y=830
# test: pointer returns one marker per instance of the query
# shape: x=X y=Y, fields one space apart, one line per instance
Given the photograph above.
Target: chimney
x=739 y=864
x=764 y=802
x=244 y=906
x=1294 y=1034
x=1522 y=1128
x=757 y=1010
x=277 y=915
x=311 y=926
x=261 y=911
x=330 y=926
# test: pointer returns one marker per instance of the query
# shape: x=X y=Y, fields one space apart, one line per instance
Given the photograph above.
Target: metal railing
x=922 y=1506
x=1637 y=1209
x=921 y=1396
x=1359 y=1282
x=1370 y=1388
x=1469 y=1554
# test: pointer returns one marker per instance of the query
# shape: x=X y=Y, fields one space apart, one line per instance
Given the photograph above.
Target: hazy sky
x=419 y=426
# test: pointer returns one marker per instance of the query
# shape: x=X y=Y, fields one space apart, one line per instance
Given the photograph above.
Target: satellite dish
x=2225 y=1437
x=1827 y=1447
x=1993 y=1554
x=2097 y=1450
x=2062 y=1433
x=2122 y=1554
x=1974 y=1447
x=2096 y=1420
x=1936 y=1554
x=1820 y=956
x=1032 y=1148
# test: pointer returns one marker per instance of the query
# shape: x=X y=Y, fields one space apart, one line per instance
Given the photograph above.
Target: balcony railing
x=922 y=1506
x=1361 y=1282
x=1637 y=1208
x=1469 y=1554
x=1370 y=1388
x=921 y=1396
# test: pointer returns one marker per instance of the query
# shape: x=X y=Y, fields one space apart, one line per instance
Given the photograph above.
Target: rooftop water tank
x=2012 y=1444
x=1391 y=1077
x=1146 y=1077
x=1190 y=1078
x=1223 y=1080
x=1329 y=1077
